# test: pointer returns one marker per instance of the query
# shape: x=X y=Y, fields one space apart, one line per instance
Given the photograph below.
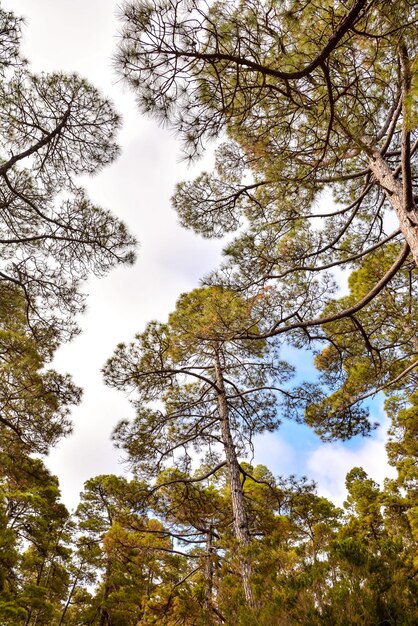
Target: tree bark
x=69 y=598
x=395 y=194
x=209 y=577
x=240 y=519
x=104 y=615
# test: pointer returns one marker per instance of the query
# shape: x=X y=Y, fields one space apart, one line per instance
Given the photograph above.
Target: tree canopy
x=35 y=402
x=53 y=128
x=216 y=391
x=315 y=100
x=310 y=101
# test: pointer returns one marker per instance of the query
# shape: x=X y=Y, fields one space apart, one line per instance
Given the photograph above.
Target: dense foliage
x=166 y=553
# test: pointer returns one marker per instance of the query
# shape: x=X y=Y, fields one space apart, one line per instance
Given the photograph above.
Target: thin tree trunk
x=240 y=521
x=38 y=580
x=28 y=617
x=209 y=577
x=70 y=596
x=104 y=615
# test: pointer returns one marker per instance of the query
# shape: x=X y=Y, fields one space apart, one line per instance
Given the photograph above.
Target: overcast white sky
x=80 y=36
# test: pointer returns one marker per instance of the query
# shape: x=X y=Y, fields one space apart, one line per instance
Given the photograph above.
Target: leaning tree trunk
x=394 y=190
x=240 y=519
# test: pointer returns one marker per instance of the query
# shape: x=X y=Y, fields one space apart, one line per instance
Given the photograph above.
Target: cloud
x=329 y=464
x=274 y=452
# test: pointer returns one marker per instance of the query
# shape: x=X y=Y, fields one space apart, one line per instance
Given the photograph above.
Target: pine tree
x=313 y=100
x=53 y=128
x=217 y=393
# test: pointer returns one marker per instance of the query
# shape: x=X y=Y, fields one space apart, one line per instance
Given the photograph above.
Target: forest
x=300 y=100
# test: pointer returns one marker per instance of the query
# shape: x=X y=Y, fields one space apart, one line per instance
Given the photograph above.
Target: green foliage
x=35 y=530
x=310 y=95
x=53 y=127
x=213 y=314
x=35 y=401
x=316 y=101
x=173 y=363
x=372 y=350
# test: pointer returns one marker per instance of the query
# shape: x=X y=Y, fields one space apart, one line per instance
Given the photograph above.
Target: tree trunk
x=38 y=582
x=408 y=219
x=69 y=598
x=240 y=521
x=209 y=577
x=104 y=615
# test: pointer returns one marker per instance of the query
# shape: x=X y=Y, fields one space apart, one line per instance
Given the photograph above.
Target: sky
x=80 y=36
